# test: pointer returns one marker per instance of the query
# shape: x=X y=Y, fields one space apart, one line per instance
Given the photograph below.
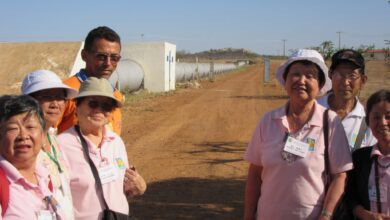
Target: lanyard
x=54 y=156
x=378 y=196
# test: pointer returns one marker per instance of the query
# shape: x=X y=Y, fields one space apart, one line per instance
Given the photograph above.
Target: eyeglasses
x=349 y=76
x=50 y=98
x=114 y=58
x=104 y=106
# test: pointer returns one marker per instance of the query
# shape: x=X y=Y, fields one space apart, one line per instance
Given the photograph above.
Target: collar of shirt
x=82 y=75
x=108 y=136
x=357 y=111
x=14 y=175
x=315 y=120
x=381 y=158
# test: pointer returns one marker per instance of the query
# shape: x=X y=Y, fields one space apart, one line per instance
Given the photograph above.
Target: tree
x=363 y=48
x=327 y=49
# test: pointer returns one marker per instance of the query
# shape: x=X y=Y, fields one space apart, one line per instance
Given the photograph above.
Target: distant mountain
x=226 y=54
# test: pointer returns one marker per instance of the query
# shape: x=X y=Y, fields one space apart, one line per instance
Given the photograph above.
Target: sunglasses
x=104 y=106
x=114 y=58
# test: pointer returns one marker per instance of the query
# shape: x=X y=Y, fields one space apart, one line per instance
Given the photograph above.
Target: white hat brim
x=51 y=85
x=282 y=68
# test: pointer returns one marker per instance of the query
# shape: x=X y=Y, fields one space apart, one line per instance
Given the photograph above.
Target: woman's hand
x=133 y=184
x=375 y=216
x=364 y=214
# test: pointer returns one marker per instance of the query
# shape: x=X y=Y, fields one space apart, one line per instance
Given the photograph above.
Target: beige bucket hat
x=97 y=87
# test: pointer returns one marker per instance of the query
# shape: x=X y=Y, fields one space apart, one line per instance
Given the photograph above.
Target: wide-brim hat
x=312 y=56
x=97 y=87
x=42 y=80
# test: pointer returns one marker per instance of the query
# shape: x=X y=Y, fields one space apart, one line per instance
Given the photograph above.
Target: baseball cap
x=44 y=79
x=97 y=87
x=312 y=56
x=348 y=55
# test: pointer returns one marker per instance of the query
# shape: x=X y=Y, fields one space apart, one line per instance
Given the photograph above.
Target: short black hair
x=101 y=32
x=11 y=105
x=377 y=97
x=321 y=74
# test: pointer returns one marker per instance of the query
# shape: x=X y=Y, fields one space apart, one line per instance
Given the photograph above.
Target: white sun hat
x=45 y=79
x=310 y=55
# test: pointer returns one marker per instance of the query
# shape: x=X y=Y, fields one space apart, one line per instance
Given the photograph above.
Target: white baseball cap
x=310 y=55
x=45 y=79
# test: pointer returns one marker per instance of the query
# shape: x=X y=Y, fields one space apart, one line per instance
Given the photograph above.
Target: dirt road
x=189 y=146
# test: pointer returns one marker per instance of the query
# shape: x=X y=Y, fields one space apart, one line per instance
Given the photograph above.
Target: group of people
x=320 y=158
x=61 y=154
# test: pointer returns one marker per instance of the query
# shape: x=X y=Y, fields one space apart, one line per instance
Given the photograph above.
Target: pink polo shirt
x=295 y=189
x=384 y=180
x=87 y=203
x=26 y=199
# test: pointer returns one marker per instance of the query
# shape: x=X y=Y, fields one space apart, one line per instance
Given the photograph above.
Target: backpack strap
x=360 y=136
x=4 y=191
x=325 y=124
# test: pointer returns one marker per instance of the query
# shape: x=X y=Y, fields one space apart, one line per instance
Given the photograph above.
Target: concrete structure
x=378 y=54
x=158 y=62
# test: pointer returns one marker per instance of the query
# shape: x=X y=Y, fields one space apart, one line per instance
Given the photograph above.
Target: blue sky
x=203 y=24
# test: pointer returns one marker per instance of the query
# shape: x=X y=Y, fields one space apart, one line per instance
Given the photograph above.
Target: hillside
x=225 y=54
x=18 y=59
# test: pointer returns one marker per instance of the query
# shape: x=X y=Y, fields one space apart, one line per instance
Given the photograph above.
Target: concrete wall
x=78 y=62
x=158 y=62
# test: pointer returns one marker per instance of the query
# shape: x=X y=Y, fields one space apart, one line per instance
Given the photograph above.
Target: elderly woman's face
x=52 y=102
x=94 y=111
x=21 y=138
x=302 y=81
x=380 y=122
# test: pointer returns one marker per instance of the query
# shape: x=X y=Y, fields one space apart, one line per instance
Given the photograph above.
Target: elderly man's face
x=347 y=81
x=21 y=139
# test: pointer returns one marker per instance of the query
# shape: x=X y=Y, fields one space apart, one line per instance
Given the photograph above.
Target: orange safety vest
x=69 y=117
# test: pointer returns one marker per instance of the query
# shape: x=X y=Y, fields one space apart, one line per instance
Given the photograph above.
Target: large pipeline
x=188 y=71
x=129 y=74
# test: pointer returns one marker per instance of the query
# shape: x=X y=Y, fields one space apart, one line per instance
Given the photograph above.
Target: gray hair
x=11 y=105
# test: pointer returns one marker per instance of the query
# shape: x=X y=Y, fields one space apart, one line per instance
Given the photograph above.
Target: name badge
x=296 y=147
x=108 y=173
x=45 y=215
x=383 y=192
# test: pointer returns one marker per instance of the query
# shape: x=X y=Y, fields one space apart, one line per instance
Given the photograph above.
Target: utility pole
x=339 y=32
x=284 y=47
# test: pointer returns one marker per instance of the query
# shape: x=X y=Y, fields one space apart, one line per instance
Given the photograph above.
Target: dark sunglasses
x=104 y=106
x=114 y=58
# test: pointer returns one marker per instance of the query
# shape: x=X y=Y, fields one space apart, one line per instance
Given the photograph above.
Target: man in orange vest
x=101 y=54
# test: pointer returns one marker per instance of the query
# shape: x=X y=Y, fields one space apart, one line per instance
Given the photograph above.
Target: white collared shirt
x=352 y=122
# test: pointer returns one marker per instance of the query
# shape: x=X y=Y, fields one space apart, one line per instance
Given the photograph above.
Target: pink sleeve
x=339 y=154
x=253 y=152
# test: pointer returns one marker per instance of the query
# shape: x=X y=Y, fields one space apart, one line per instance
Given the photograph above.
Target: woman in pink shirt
x=47 y=88
x=29 y=184
x=91 y=144
x=286 y=153
x=368 y=189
